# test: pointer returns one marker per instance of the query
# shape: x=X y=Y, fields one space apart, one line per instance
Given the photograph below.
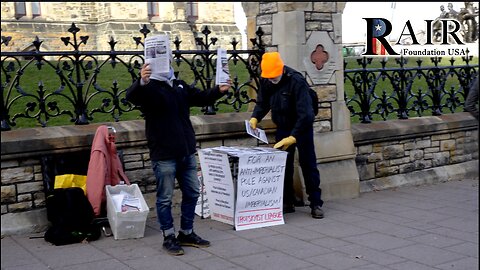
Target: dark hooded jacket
x=166 y=110
x=289 y=101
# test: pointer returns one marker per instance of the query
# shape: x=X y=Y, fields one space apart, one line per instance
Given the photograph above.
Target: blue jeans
x=185 y=171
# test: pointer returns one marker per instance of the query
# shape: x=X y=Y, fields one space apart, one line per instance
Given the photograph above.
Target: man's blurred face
x=275 y=80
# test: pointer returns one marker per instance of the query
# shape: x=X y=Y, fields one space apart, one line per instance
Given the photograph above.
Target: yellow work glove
x=253 y=122
x=285 y=143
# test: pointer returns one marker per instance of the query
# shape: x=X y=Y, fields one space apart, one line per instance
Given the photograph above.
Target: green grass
x=32 y=78
x=419 y=84
x=47 y=76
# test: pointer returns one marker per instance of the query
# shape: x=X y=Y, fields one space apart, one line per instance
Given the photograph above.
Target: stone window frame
x=36 y=9
x=33 y=10
x=191 y=11
x=153 y=10
x=20 y=9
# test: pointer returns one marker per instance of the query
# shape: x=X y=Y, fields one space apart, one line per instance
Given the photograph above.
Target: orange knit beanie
x=272 y=65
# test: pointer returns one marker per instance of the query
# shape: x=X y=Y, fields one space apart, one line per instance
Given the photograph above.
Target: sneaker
x=288 y=208
x=171 y=244
x=317 y=212
x=192 y=240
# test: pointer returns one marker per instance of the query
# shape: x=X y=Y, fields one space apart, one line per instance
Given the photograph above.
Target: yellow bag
x=71 y=180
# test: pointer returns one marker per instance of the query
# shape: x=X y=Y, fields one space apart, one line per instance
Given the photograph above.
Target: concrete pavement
x=408 y=228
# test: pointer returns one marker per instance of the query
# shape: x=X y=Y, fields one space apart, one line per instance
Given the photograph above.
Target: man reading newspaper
x=165 y=103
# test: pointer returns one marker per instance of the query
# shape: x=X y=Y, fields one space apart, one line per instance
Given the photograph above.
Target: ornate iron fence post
x=206 y=61
x=81 y=111
x=437 y=83
x=402 y=88
x=4 y=121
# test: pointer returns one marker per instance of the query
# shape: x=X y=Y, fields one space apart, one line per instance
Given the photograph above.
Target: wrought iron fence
x=406 y=91
x=77 y=78
x=77 y=92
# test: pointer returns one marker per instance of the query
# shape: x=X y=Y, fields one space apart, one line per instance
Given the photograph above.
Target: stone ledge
x=455 y=172
x=34 y=221
x=409 y=128
x=61 y=139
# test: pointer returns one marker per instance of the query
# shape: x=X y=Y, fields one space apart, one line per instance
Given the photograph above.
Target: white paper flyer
x=260 y=190
x=223 y=74
x=157 y=54
x=257 y=133
x=219 y=185
x=202 y=208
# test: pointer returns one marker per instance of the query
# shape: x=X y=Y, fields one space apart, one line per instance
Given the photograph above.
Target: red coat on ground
x=104 y=168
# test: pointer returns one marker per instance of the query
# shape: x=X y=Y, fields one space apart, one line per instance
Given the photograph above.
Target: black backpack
x=71 y=216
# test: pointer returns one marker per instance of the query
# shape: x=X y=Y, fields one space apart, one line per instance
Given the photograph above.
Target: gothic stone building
x=120 y=20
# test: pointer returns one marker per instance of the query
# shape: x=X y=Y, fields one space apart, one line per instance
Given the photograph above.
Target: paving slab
x=426 y=227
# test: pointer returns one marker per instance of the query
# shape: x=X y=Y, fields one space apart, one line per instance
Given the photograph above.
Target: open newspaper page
x=157 y=54
x=257 y=133
x=223 y=74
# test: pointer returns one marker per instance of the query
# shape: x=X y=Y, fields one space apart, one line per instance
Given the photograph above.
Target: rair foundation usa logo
x=440 y=38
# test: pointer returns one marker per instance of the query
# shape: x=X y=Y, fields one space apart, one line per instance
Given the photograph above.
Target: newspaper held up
x=223 y=74
x=158 y=54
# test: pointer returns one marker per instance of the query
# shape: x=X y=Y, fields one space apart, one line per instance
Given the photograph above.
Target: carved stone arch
x=30 y=48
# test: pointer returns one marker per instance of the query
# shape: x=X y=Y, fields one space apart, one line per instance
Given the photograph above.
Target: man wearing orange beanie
x=284 y=91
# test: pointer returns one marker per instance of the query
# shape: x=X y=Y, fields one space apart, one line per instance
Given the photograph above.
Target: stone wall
x=427 y=149
x=120 y=20
x=389 y=154
x=22 y=183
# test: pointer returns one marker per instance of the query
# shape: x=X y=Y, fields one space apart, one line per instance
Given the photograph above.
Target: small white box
x=129 y=224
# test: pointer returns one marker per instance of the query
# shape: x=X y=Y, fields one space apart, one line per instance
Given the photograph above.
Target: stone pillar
x=251 y=11
x=308 y=36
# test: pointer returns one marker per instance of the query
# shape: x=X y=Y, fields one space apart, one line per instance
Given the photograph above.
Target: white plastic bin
x=129 y=224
